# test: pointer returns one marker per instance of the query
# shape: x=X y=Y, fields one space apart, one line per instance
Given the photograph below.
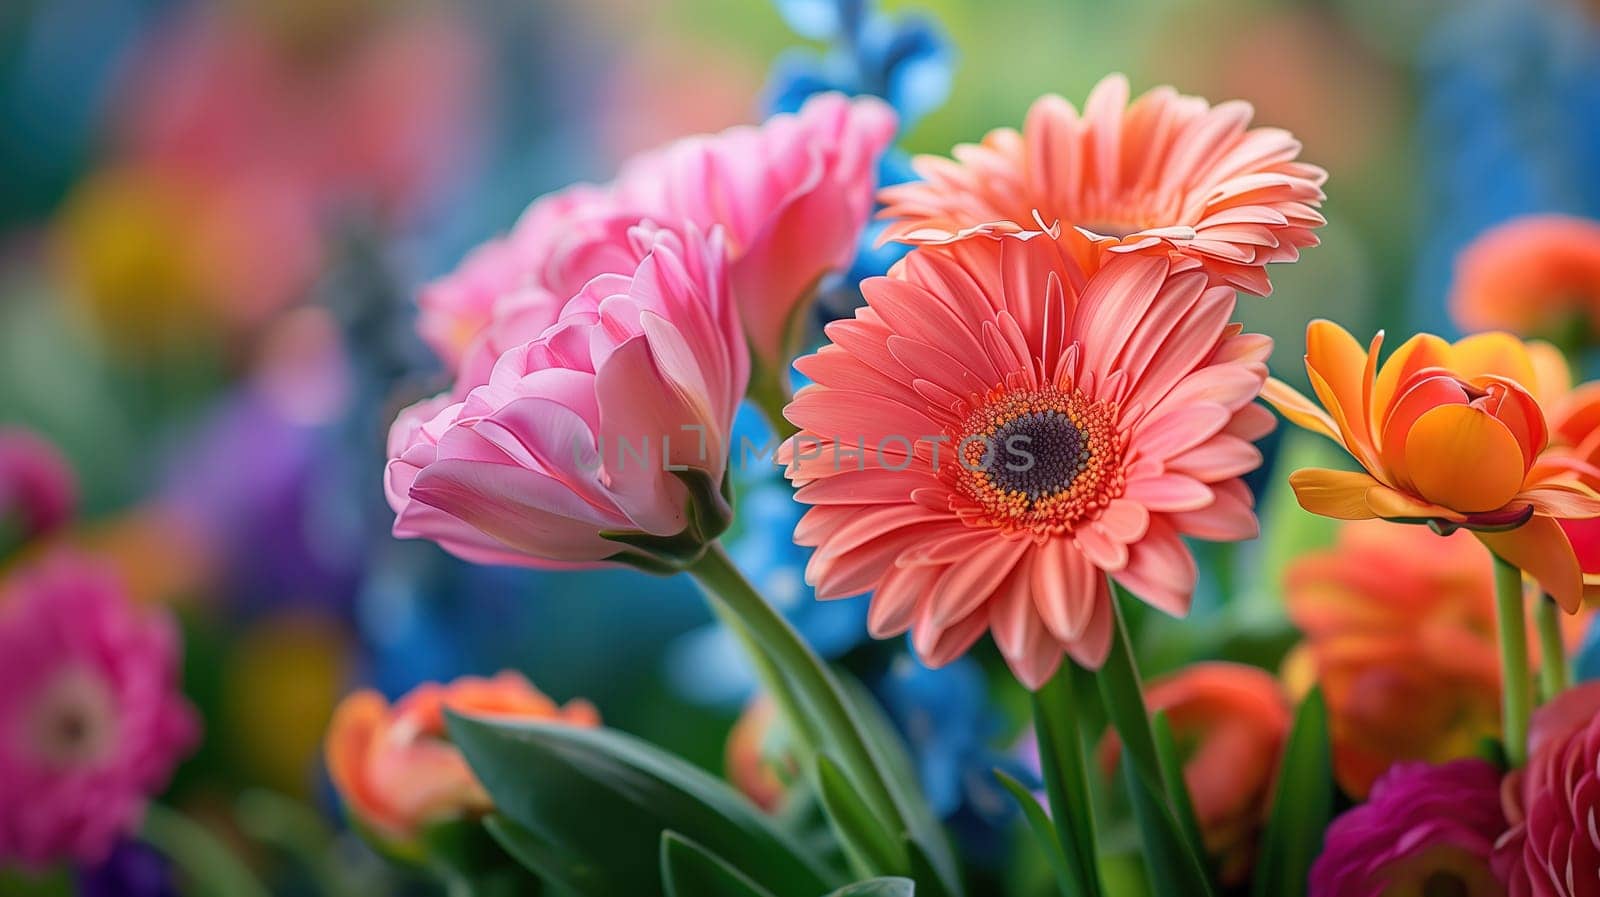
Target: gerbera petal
x=1300 y=410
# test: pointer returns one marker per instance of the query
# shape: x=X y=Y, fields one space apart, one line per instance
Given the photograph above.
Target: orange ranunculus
x=750 y=763
x=1400 y=633
x=1233 y=719
x=396 y=770
x=1450 y=435
x=1537 y=275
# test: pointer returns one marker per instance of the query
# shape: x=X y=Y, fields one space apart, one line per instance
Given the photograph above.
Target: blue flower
x=1510 y=105
x=950 y=725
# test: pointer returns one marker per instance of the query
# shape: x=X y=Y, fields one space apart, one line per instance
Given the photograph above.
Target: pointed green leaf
x=878 y=887
x=1044 y=833
x=1302 y=807
x=689 y=870
x=550 y=862
x=866 y=838
x=927 y=843
x=1178 y=788
x=1172 y=866
x=600 y=800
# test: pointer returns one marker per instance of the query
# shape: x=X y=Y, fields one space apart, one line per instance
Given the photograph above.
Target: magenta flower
x=37 y=488
x=92 y=721
x=1553 y=847
x=1424 y=830
x=607 y=433
x=791 y=197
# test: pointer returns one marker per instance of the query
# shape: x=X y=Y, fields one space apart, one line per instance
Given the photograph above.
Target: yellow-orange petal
x=1392 y=504
x=1541 y=549
x=1337 y=366
x=1497 y=353
x=1301 y=411
x=1341 y=494
x=1460 y=457
x=1552 y=372
x=1423 y=350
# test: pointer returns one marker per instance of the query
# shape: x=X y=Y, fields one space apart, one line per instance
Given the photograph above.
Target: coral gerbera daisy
x=996 y=432
x=1165 y=173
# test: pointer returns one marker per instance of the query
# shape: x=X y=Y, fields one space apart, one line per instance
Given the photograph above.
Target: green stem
x=1123 y=693
x=1553 y=674
x=1516 y=684
x=1061 y=758
x=769 y=389
x=791 y=668
x=204 y=859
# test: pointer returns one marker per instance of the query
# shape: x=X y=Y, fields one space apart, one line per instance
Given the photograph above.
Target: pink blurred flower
x=36 y=486
x=1553 y=847
x=1425 y=830
x=91 y=718
x=600 y=426
x=791 y=197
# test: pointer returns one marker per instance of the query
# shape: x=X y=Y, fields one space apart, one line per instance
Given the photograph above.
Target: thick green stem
x=1553 y=673
x=791 y=668
x=1515 y=682
x=1061 y=759
x=769 y=389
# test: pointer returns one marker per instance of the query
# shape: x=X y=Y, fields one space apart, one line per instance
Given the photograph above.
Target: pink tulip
x=791 y=197
x=605 y=439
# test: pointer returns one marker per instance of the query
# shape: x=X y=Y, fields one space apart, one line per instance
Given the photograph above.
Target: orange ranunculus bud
x=1449 y=434
x=394 y=766
x=1399 y=631
x=1233 y=720
x=750 y=761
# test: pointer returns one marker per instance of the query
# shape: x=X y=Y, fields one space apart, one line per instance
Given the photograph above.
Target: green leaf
x=204 y=860
x=933 y=864
x=1177 y=787
x=1173 y=867
x=689 y=870
x=599 y=800
x=1302 y=807
x=878 y=887
x=552 y=863
x=1061 y=759
x=866 y=838
x=1044 y=832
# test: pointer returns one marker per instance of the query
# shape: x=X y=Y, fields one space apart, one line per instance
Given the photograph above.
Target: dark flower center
x=1038 y=454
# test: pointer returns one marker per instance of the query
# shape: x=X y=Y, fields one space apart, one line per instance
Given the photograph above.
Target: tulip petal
x=1462 y=458
x=1540 y=548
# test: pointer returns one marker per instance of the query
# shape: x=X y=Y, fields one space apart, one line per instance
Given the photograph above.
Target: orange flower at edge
x=394 y=766
x=1450 y=435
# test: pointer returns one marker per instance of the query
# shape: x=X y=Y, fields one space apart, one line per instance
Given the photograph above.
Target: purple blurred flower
x=1424 y=830
x=132 y=870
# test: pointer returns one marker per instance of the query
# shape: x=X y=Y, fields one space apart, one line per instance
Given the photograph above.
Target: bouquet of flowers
x=1018 y=433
